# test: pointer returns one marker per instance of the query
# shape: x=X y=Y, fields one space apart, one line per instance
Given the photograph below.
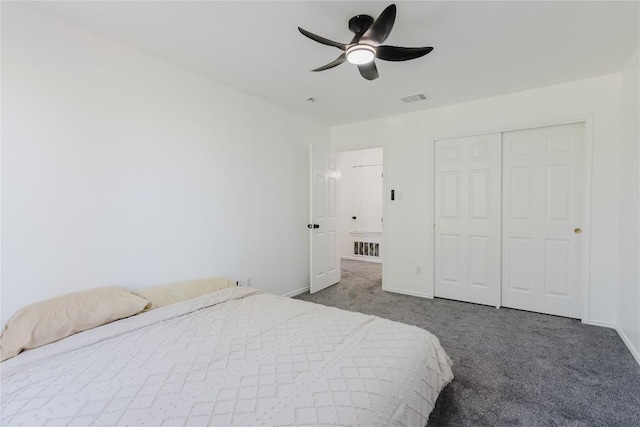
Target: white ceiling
x=482 y=49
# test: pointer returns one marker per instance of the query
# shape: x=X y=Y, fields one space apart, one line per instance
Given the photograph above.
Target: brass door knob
x=577 y=230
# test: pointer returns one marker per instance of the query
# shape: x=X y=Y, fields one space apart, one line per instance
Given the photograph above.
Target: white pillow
x=162 y=295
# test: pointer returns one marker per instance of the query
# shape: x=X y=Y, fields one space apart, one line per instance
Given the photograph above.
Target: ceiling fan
x=366 y=45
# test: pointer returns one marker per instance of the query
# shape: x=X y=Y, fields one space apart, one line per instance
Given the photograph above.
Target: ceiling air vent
x=414 y=98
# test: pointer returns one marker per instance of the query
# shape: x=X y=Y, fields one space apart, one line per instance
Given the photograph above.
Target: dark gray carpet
x=511 y=367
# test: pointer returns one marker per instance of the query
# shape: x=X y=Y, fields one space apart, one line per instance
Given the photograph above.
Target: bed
x=238 y=356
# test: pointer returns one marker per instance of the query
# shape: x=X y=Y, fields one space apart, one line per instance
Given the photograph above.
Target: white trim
x=587 y=119
x=635 y=353
x=600 y=324
x=310 y=233
x=586 y=235
x=529 y=124
x=367 y=234
x=297 y=292
x=383 y=250
x=625 y=339
x=432 y=262
x=363 y=258
x=405 y=292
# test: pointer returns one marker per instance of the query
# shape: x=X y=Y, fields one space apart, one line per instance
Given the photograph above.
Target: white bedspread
x=234 y=357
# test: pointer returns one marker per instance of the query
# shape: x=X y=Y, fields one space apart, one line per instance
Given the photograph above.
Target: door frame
x=587 y=120
x=383 y=251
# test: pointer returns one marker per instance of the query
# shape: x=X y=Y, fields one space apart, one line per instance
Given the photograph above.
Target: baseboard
x=627 y=341
x=353 y=258
x=296 y=292
x=404 y=292
x=601 y=324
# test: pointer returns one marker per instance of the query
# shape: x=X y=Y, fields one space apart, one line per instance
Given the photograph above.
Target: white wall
x=120 y=169
x=408 y=153
x=360 y=195
x=629 y=264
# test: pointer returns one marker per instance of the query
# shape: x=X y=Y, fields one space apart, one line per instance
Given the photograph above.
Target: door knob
x=577 y=230
x=437 y=226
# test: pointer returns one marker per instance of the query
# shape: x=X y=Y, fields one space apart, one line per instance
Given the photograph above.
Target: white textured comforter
x=234 y=357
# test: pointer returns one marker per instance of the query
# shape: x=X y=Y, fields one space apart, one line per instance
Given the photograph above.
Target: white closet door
x=543 y=205
x=467 y=219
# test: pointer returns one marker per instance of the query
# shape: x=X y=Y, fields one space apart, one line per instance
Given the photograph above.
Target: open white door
x=325 y=258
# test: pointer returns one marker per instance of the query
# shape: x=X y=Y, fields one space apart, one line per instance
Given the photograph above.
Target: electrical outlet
x=418 y=271
x=249 y=281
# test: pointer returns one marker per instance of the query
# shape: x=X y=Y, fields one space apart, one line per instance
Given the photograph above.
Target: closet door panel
x=467 y=219
x=543 y=204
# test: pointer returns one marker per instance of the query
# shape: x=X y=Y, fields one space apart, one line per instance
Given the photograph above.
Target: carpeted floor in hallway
x=511 y=367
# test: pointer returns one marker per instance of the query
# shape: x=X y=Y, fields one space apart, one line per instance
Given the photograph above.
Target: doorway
x=360 y=208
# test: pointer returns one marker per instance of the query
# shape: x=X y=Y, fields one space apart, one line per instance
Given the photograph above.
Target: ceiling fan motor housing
x=360 y=23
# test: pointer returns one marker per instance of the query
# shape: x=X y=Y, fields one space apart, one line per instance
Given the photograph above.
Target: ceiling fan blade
x=339 y=60
x=380 y=29
x=395 y=53
x=369 y=70
x=322 y=40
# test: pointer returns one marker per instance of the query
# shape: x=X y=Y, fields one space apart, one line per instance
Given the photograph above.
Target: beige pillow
x=162 y=295
x=45 y=322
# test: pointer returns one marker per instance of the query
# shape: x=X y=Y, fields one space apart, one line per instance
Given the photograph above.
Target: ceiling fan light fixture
x=367 y=44
x=361 y=54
